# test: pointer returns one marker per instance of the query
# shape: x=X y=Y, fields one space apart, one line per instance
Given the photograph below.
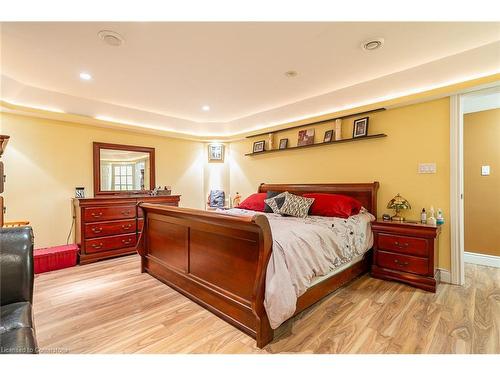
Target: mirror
x=122 y=169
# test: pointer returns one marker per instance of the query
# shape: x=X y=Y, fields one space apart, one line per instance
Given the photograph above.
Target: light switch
x=427 y=168
x=485 y=170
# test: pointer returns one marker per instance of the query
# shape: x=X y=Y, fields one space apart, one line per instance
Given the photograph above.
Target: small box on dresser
x=109 y=226
x=406 y=252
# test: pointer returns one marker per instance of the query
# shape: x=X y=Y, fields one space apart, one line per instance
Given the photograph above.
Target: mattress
x=336 y=270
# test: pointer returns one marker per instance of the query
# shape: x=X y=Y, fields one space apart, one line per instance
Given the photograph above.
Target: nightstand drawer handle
x=402 y=264
x=401 y=245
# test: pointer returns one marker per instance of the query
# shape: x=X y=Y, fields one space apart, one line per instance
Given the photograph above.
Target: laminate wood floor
x=110 y=307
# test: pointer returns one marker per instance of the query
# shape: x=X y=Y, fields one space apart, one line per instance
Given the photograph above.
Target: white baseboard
x=444 y=276
x=482 y=259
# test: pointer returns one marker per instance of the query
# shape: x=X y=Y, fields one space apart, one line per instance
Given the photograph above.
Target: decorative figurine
x=237 y=200
x=431 y=219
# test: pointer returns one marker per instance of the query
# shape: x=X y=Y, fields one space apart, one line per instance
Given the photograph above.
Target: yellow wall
x=482 y=193
x=415 y=134
x=46 y=159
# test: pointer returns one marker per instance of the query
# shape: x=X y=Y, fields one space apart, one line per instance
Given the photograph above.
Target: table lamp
x=398 y=203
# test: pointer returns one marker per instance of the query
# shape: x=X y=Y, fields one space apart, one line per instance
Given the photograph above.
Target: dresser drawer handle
x=126 y=242
x=96 y=214
x=127 y=212
x=97 y=230
x=402 y=264
x=96 y=246
x=125 y=227
x=401 y=245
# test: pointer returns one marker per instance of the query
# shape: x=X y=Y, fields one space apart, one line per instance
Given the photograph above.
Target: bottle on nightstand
x=423 y=216
x=440 y=218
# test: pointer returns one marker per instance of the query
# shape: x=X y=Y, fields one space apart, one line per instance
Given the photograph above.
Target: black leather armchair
x=17 y=331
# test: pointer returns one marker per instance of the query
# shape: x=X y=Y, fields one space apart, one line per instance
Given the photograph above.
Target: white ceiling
x=164 y=72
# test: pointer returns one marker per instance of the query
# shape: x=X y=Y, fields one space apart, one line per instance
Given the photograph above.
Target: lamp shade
x=399 y=203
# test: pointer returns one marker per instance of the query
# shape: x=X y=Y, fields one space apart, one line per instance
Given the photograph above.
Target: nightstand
x=406 y=252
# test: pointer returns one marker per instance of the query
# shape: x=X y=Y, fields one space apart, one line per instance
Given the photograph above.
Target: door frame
x=457 y=273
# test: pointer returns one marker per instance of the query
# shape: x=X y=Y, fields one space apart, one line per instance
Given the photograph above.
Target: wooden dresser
x=406 y=252
x=110 y=226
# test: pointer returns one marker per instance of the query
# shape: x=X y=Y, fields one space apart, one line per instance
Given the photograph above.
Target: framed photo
x=79 y=192
x=283 y=143
x=306 y=137
x=328 y=136
x=258 y=146
x=360 y=128
x=216 y=152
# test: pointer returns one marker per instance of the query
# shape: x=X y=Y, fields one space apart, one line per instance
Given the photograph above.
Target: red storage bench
x=55 y=258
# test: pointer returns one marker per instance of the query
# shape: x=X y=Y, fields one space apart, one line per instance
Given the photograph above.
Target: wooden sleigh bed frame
x=219 y=261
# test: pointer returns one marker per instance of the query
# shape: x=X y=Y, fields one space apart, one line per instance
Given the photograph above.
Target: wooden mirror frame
x=98 y=146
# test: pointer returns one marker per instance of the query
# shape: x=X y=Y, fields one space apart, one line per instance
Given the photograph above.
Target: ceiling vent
x=111 y=38
x=372 y=44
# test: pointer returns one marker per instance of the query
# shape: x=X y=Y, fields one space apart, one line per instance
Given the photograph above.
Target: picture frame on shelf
x=215 y=152
x=283 y=143
x=258 y=146
x=306 y=137
x=360 y=128
x=328 y=136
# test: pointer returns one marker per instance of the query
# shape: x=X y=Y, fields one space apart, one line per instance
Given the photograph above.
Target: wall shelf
x=319 y=144
x=317 y=122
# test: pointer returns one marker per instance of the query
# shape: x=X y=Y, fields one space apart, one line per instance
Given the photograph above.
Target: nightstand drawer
x=403 y=244
x=419 y=266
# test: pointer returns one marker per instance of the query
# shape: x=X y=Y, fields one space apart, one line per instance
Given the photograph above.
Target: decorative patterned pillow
x=276 y=202
x=271 y=194
x=296 y=205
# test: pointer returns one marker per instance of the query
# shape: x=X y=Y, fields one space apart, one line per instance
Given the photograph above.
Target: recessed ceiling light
x=372 y=44
x=291 y=74
x=206 y=108
x=85 y=76
x=111 y=38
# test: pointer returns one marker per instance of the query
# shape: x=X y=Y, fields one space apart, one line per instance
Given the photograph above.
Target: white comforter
x=304 y=249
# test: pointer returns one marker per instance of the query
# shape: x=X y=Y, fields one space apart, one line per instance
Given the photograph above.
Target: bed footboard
x=217 y=260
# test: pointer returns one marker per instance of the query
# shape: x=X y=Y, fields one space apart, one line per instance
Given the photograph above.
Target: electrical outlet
x=485 y=170
x=427 y=168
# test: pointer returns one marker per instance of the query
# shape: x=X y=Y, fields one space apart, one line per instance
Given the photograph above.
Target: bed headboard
x=366 y=193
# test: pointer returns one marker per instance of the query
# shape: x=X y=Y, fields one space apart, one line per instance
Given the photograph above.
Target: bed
x=220 y=260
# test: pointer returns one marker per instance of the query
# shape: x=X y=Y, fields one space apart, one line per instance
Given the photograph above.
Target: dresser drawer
x=419 y=266
x=402 y=244
x=110 y=243
x=108 y=213
x=110 y=228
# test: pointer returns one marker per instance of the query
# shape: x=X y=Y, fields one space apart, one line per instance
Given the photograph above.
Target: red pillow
x=254 y=202
x=333 y=205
